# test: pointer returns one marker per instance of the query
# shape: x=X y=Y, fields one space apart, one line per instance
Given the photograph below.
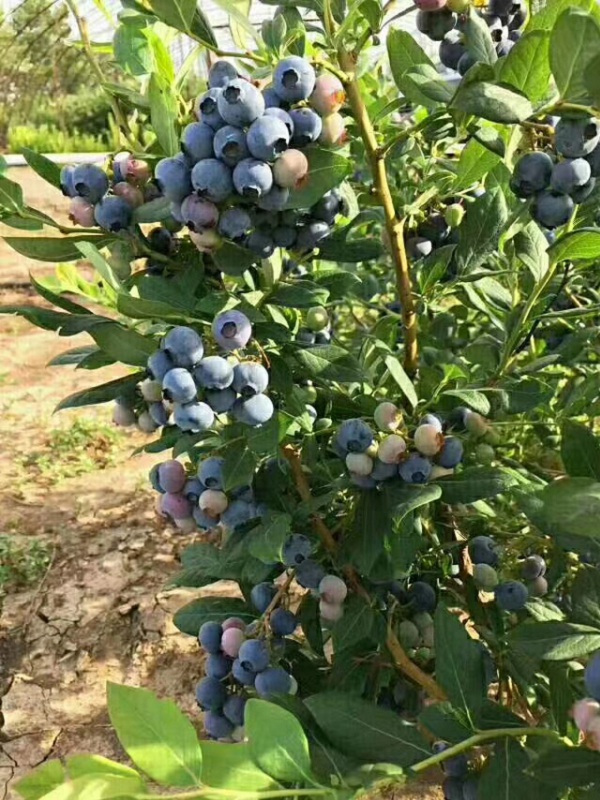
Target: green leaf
x=585 y=594
x=163 y=114
x=525 y=394
x=157 y=737
x=179 y=14
x=356 y=624
x=371 y=523
x=412 y=497
x=459 y=663
x=545 y=17
x=580 y=451
x=581 y=245
x=562 y=767
x=397 y=372
x=493 y=102
x=44 y=167
x=277 y=742
x=91 y=253
x=481 y=230
x=352 y=251
x=326 y=170
x=329 y=362
x=123 y=344
x=445 y=722
x=238 y=468
x=554 y=641
x=268 y=538
x=41 y=781
x=572 y=506
x=192 y=616
x=527 y=66
x=404 y=52
x=227 y=766
x=103 y=393
x=364 y=731
x=11 y=195
x=44 y=248
x=478 y=39
x=427 y=80
x=531 y=247
x=472 y=398
x=95 y=787
x=78 y=766
x=474 y=483
x=474 y=163
x=132 y=50
x=299 y=294
x=157 y=210
x=592 y=79
x=574 y=41
x=59 y=300
x=506 y=778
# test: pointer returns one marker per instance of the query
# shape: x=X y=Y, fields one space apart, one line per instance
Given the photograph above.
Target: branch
x=394 y=226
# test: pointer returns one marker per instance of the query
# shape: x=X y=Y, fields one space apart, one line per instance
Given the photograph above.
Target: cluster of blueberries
x=200 y=501
x=95 y=200
x=188 y=389
x=371 y=461
x=556 y=182
x=443 y=21
x=437 y=229
x=241 y=160
x=510 y=595
x=586 y=712
x=459 y=783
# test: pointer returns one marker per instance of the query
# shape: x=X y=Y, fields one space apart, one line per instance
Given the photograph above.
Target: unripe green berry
x=408 y=633
x=323 y=423
x=422 y=620
x=454 y=215
x=475 y=423
x=485 y=453
x=458 y=6
x=317 y=318
x=429 y=636
x=485 y=577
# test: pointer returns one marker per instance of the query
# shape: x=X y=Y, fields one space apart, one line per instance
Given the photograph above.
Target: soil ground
x=93 y=607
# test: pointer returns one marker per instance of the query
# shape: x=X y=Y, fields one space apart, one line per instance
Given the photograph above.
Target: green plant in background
x=48 y=139
x=364 y=324
x=21 y=564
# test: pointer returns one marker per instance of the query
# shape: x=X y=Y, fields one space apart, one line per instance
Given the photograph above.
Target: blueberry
x=383 y=472
x=197 y=141
x=427 y=439
x=113 y=214
x=212 y=179
x=311 y=234
x=254 y=410
x=307 y=127
x=66 y=181
x=294 y=79
x=282 y=116
x=576 y=137
x=452 y=50
x=533 y=567
x=192 y=489
x=485 y=577
x=238 y=513
x=193 y=417
x=594 y=161
x=208 y=108
x=199 y=214
x=210 y=472
x=409 y=635
x=422 y=596
x=327 y=208
x=552 y=210
x=171 y=477
x=283 y=623
x=309 y=574
x=451 y=453
x=290 y=169
x=453 y=788
x=232 y=330
x=179 y=386
x=161 y=240
x=538 y=587
x=210 y=694
x=173 y=177
x=214 y=372
x=268 y=137
x=209 y=637
x=328 y=95
x=217 y=726
x=242 y=674
x=184 y=347
x=175 y=506
x=240 y=103
x=456 y=767
x=132 y=195
x=250 y=378
x=234 y=709
x=275 y=200
x=202 y=520
x=435 y=24
x=504 y=47
x=333 y=131
x=261 y=596
x=296 y=549
x=230 y=145
x=254 y=655
x=465 y=62
x=354 y=436
x=511 y=595
x=90 y=181
x=217 y=666
x=592 y=676
x=418 y=247
x=220 y=74
x=581 y=194
x=274 y=680
x=271 y=98
x=252 y=178
x=483 y=550
x=158 y=413
x=284 y=236
x=333 y=589
x=235 y=223
x=416 y=469
x=500 y=8
x=571 y=174
x=81 y=212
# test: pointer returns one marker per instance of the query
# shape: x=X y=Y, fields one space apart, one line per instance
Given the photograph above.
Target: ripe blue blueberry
x=158 y=413
x=483 y=550
x=173 y=178
x=184 y=346
x=363 y=481
x=240 y=103
x=210 y=694
x=232 y=330
x=551 y=209
x=296 y=549
x=432 y=419
x=418 y=247
x=193 y=417
x=260 y=243
x=465 y=62
x=382 y=472
x=593 y=159
x=422 y=596
x=212 y=179
x=242 y=674
x=307 y=126
x=217 y=726
x=238 y=513
x=218 y=666
x=592 y=677
x=453 y=788
x=113 y=214
x=66 y=181
x=309 y=574
x=214 y=372
x=511 y=595
x=416 y=469
x=581 y=194
x=159 y=364
x=576 y=137
x=234 y=709
x=284 y=236
x=283 y=622
x=220 y=74
x=435 y=24
x=210 y=472
x=570 y=175
x=178 y=386
x=234 y=223
x=354 y=436
x=451 y=453
x=192 y=489
x=311 y=234
x=249 y=378
x=199 y=214
x=533 y=567
x=282 y=116
x=220 y=401
x=209 y=637
x=532 y=174
x=254 y=655
x=268 y=137
x=252 y=178
x=274 y=680
x=202 y=520
x=275 y=200
x=254 y=410
x=271 y=98
x=456 y=767
x=261 y=596
x=161 y=240
x=90 y=181
x=327 y=208
x=294 y=79
x=230 y=145
x=452 y=49
x=208 y=108
x=197 y=141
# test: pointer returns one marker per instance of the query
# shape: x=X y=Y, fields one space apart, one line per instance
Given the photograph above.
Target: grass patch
x=21 y=565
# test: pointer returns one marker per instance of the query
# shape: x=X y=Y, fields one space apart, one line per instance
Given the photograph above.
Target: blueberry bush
x=359 y=299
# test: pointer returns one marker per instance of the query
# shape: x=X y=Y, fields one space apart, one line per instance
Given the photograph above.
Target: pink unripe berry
x=592 y=735
x=213 y=502
x=392 y=449
x=333 y=132
x=584 y=711
x=428 y=439
x=171 y=476
x=231 y=641
x=475 y=423
x=138 y=170
x=131 y=194
x=430 y=5
x=199 y=214
x=359 y=463
x=330 y=612
x=145 y=423
x=234 y=622
x=333 y=589
x=151 y=390
x=81 y=212
x=123 y=416
x=328 y=95
x=290 y=169
x=175 y=506
x=388 y=417
x=207 y=241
